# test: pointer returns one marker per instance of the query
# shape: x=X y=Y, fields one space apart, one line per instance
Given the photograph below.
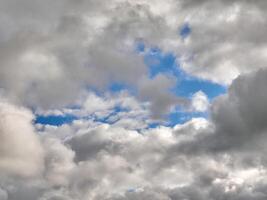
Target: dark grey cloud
x=240 y=115
x=237 y=124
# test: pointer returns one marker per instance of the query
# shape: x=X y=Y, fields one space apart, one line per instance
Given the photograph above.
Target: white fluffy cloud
x=21 y=151
x=200 y=102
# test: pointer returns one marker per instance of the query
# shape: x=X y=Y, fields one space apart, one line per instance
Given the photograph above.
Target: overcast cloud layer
x=60 y=58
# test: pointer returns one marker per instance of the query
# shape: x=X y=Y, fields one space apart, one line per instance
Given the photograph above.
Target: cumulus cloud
x=104 y=161
x=227 y=38
x=70 y=46
x=200 y=102
x=58 y=161
x=240 y=115
x=21 y=150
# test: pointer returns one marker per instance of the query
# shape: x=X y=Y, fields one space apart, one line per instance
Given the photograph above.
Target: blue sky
x=55 y=120
x=185 y=30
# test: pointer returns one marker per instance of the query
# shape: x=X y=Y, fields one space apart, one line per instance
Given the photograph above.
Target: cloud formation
x=63 y=58
x=21 y=151
x=227 y=38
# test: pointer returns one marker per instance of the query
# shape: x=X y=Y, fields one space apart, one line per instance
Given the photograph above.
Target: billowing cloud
x=227 y=38
x=70 y=46
x=200 y=102
x=21 y=151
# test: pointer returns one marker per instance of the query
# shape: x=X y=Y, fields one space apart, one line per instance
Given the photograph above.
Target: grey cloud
x=158 y=92
x=72 y=45
x=227 y=38
x=116 y=163
x=3 y=194
x=69 y=46
x=59 y=162
x=148 y=194
x=238 y=118
x=88 y=145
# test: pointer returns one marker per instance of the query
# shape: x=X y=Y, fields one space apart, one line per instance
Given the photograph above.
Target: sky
x=133 y=100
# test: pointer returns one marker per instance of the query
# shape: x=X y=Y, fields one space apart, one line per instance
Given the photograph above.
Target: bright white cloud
x=200 y=102
x=20 y=149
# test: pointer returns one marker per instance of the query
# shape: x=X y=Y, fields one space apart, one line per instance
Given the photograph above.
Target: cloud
x=69 y=47
x=21 y=150
x=158 y=92
x=58 y=161
x=227 y=38
x=74 y=45
x=200 y=102
x=120 y=109
x=3 y=194
x=238 y=119
x=110 y=162
x=239 y=115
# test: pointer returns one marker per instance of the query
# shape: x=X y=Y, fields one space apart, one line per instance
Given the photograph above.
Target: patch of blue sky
x=186 y=85
x=131 y=190
x=178 y=117
x=154 y=125
x=106 y=119
x=158 y=62
x=140 y=47
x=166 y=63
x=181 y=117
x=59 y=120
x=189 y=85
x=117 y=87
x=55 y=120
x=185 y=30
